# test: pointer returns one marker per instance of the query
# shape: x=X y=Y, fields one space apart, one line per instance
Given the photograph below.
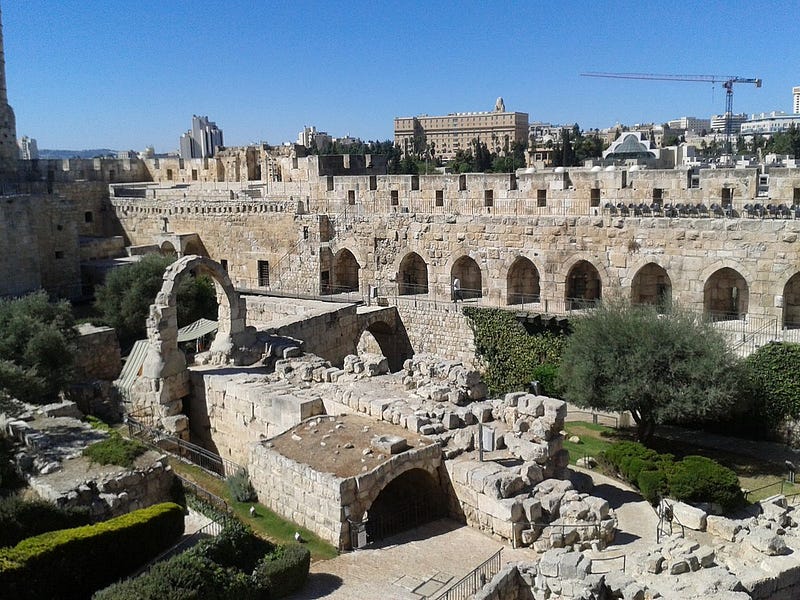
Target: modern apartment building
x=202 y=140
x=28 y=150
x=450 y=133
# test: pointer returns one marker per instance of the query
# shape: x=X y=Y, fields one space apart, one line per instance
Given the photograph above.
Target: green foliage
x=662 y=368
x=240 y=487
x=37 y=347
x=652 y=484
x=80 y=560
x=124 y=301
x=700 y=479
x=513 y=358
x=115 y=450
x=9 y=478
x=776 y=382
x=20 y=519
x=284 y=571
x=236 y=546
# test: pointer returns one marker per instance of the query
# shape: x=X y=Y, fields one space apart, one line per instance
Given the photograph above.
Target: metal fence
x=474 y=580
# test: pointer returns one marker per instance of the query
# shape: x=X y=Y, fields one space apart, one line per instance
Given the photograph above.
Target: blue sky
x=127 y=74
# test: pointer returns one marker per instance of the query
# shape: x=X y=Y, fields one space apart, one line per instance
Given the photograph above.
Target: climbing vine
x=511 y=356
x=774 y=373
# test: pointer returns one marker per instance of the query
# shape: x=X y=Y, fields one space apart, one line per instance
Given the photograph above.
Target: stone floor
x=410 y=566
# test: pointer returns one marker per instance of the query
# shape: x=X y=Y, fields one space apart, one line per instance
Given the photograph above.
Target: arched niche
x=522 y=282
x=412 y=277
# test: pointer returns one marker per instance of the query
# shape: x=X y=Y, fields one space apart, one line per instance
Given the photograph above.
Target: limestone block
x=511 y=398
x=526 y=450
x=531 y=473
x=463 y=439
x=556 y=410
x=530 y=405
x=532 y=509
x=482 y=472
x=504 y=484
x=689 y=516
x=598 y=506
x=767 y=542
x=466 y=415
x=678 y=566
x=451 y=420
x=573 y=565
x=482 y=411
x=549 y=562
x=722 y=527
x=176 y=424
x=509 y=509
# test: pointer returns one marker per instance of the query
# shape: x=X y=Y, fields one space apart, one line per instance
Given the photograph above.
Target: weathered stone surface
x=689 y=516
x=722 y=527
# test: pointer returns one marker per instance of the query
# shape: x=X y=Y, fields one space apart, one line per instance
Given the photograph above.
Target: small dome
x=597 y=169
x=559 y=170
x=610 y=168
x=634 y=168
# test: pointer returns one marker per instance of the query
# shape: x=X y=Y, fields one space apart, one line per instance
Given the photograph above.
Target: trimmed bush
x=700 y=479
x=80 y=560
x=20 y=519
x=236 y=546
x=115 y=450
x=652 y=484
x=284 y=571
x=240 y=487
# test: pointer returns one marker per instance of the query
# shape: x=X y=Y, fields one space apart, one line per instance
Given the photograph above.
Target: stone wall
x=440 y=329
x=98 y=353
x=263 y=311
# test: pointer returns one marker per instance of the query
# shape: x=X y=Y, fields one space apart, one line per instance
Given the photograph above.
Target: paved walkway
x=413 y=565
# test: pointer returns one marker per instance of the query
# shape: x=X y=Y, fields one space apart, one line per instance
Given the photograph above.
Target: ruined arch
x=410 y=499
x=345 y=272
x=168 y=249
x=466 y=269
x=651 y=285
x=412 y=276
x=583 y=286
x=194 y=247
x=726 y=294
x=522 y=282
x=791 y=302
x=391 y=342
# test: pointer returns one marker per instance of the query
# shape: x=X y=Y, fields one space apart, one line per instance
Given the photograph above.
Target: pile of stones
x=311 y=368
x=433 y=378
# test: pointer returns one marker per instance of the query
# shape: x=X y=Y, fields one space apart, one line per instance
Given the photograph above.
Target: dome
x=634 y=168
x=610 y=168
x=596 y=169
x=559 y=170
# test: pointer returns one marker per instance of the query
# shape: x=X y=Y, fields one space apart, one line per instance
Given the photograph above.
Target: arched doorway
x=522 y=282
x=381 y=338
x=467 y=271
x=413 y=275
x=725 y=295
x=412 y=499
x=345 y=272
x=584 y=287
x=168 y=249
x=791 y=303
x=194 y=246
x=651 y=285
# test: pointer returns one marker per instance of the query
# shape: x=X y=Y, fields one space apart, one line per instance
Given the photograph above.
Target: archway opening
x=791 y=303
x=651 y=285
x=410 y=500
x=168 y=249
x=522 y=282
x=345 y=272
x=380 y=338
x=467 y=271
x=725 y=295
x=584 y=287
x=194 y=246
x=413 y=275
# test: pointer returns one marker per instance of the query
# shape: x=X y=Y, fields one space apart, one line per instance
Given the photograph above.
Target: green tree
x=37 y=347
x=661 y=368
x=776 y=382
x=124 y=301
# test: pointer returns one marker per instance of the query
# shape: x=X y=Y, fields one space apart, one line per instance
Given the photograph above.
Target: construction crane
x=727 y=82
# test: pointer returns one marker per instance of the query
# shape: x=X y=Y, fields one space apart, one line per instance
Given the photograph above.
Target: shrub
x=776 y=384
x=20 y=519
x=115 y=450
x=240 y=487
x=700 y=479
x=80 y=560
x=619 y=455
x=652 y=484
x=284 y=571
x=236 y=546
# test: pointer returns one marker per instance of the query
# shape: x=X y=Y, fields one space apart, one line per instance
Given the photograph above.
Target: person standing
x=457 y=294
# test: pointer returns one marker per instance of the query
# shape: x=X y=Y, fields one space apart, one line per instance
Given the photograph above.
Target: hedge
x=284 y=571
x=20 y=519
x=72 y=563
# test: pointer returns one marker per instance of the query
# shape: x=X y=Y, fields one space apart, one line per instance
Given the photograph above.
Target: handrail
x=667 y=515
x=781 y=482
x=624 y=558
x=474 y=580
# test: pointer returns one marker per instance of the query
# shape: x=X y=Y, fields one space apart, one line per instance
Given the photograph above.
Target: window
x=541 y=198
x=330 y=183
x=796 y=196
x=351 y=197
x=727 y=195
x=658 y=194
x=462 y=183
x=169 y=174
x=395 y=198
x=88 y=217
x=440 y=197
x=263 y=273
x=224 y=264
x=415 y=182
x=373 y=182
x=194 y=174
x=488 y=198
x=594 y=198
x=305 y=232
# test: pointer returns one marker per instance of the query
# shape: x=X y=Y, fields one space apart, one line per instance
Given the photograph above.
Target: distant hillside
x=43 y=153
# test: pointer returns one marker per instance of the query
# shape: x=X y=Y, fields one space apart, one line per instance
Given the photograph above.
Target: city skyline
x=85 y=75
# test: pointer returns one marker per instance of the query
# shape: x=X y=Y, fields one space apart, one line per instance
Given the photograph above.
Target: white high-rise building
x=796 y=100
x=202 y=140
x=28 y=150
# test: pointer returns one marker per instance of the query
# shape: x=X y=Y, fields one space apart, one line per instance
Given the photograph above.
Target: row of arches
x=725 y=292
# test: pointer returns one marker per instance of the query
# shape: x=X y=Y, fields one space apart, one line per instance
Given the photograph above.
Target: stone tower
x=9 y=153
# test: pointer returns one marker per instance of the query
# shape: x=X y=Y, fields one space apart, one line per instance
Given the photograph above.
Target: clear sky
x=127 y=74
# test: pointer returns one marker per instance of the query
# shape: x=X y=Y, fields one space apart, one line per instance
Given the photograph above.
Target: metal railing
x=186 y=451
x=605 y=559
x=666 y=520
x=218 y=504
x=474 y=580
x=780 y=485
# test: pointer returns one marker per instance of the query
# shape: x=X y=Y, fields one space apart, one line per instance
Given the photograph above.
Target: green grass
x=594 y=439
x=115 y=450
x=265 y=523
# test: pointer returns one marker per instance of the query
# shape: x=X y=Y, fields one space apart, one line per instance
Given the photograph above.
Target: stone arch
x=651 y=285
x=726 y=294
x=583 y=285
x=412 y=275
x=345 y=272
x=467 y=270
x=168 y=249
x=195 y=247
x=392 y=342
x=791 y=302
x=522 y=282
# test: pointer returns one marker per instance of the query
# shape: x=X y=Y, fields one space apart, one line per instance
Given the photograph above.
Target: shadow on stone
x=623 y=537
x=318 y=585
x=615 y=496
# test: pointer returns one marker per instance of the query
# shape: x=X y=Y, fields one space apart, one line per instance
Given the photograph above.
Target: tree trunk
x=645 y=430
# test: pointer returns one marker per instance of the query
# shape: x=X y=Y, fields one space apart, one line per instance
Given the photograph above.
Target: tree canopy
x=661 y=368
x=124 y=301
x=37 y=350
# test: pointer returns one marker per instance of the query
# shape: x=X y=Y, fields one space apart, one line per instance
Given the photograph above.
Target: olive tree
x=661 y=368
